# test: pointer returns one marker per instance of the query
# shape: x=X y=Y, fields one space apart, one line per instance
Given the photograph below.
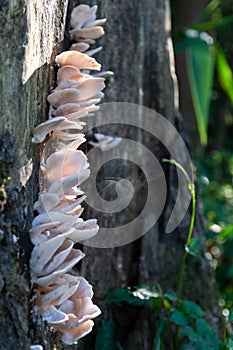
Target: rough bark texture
x=31 y=35
x=137 y=48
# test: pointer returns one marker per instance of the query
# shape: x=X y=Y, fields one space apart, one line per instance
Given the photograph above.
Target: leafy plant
x=200 y=67
x=191 y=331
x=216 y=173
x=204 y=57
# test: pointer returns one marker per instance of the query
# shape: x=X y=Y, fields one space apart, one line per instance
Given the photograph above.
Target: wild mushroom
x=77 y=59
x=58 y=98
x=105 y=142
x=63 y=300
x=69 y=72
x=81 y=47
x=82 y=15
x=40 y=132
x=86 y=33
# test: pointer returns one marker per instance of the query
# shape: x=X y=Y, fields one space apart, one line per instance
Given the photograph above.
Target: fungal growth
x=105 y=142
x=62 y=299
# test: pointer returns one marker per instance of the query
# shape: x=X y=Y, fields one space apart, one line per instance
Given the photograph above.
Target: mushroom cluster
x=62 y=299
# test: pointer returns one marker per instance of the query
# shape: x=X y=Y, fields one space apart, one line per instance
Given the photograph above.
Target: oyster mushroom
x=77 y=59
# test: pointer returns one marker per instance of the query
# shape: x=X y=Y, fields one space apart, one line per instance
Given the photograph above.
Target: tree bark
x=31 y=35
x=137 y=47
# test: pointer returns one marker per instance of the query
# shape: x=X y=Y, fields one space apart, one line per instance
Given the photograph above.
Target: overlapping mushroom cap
x=85 y=26
x=75 y=96
x=63 y=300
x=67 y=306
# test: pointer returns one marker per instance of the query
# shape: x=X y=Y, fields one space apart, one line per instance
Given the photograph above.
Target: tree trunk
x=31 y=35
x=137 y=47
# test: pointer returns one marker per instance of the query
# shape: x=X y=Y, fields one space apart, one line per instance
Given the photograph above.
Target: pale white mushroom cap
x=86 y=33
x=40 y=132
x=77 y=59
x=71 y=336
x=65 y=300
x=81 y=47
x=82 y=15
x=105 y=142
x=69 y=72
x=63 y=163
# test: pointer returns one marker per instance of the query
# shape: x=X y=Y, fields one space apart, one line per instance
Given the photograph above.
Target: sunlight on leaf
x=200 y=66
x=139 y=296
x=124 y=295
x=210 y=25
x=194 y=247
x=224 y=71
x=170 y=295
x=145 y=293
x=210 y=9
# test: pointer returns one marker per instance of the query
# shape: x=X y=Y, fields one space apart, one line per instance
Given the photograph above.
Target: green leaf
x=140 y=296
x=229 y=272
x=170 y=295
x=204 y=329
x=106 y=338
x=190 y=333
x=200 y=68
x=191 y=310
x=194 y=247
x=156 y=303
x=207 y=333
x=203 y=337
x=159 y=330
x=210 y=10
x=227 y=232
x=119 y=347
x=124 y=295
x=230 y=318
x=178 y=318
x=166 y=304
x=230 y=344
x=217 y=22
x=224 y=72
x=188 y=346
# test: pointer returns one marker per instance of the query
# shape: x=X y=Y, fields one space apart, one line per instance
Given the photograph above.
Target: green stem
x=191 y=227
x=191 y=188
x=225 y=337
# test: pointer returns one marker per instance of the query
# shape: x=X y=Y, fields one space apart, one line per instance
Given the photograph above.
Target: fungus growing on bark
x=64 y=300
x=84 y=24
x=78 y=60
x=105 y=142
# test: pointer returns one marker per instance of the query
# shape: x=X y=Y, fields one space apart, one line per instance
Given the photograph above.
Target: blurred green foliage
x=208 y=60
x=209 y=49
x=215 y=162
x=216 y=176
x=183 y=328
